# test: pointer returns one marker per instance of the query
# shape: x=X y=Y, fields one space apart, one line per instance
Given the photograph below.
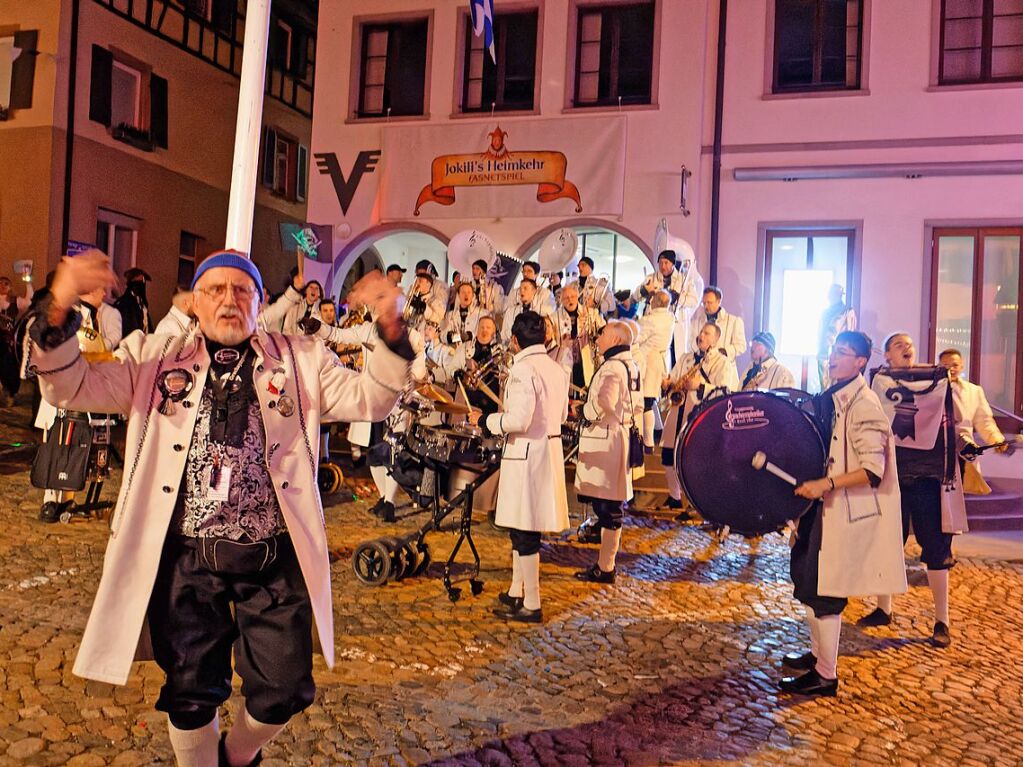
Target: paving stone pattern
x=675 y=664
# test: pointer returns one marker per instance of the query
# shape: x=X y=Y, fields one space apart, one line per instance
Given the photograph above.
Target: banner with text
x=525 y=168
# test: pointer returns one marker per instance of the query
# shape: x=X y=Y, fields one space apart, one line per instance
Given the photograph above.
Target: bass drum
x=714 y=460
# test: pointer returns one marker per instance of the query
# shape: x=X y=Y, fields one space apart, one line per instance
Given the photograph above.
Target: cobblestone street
x=675 y=664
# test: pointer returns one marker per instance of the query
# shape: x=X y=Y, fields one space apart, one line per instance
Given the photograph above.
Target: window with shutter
x=22 y=70
x=269 y=153
x=158 y=131
x=99 y=89
x=303 y=172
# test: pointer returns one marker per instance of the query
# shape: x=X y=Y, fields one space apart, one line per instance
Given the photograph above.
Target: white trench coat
x=531 y=493
x=323 y=390
x=611 y=407
x=861 y=534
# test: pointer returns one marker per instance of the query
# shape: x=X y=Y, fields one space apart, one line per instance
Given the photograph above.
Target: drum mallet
x=760 y=462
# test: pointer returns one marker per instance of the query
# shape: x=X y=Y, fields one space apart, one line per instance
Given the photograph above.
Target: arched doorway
x=377 y=248
x=617 y=253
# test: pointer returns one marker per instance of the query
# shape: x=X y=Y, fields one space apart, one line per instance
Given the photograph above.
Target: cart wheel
x=454 y=594
x=65 y=517
x=411 y=557
x=476 y=586
x=328 y=478
x=399 y=563
x=423 y=559
x=372 y=563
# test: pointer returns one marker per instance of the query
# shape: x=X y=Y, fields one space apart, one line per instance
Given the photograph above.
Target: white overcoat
x=717 y=372
x=157 y=449
x=861 y=534
x=772 y=375
x=651 y=349
x=588 y=322
x=611 y=408
x=531 y=493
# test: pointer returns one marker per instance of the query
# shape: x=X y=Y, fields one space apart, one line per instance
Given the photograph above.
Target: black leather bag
x=637 y=450
x=62 y=461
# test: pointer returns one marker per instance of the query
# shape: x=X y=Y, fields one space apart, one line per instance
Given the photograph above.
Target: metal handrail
x=1007 y=413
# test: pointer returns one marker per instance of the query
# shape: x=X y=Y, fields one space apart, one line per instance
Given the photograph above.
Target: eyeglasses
x=218 y=292
x=836 y=352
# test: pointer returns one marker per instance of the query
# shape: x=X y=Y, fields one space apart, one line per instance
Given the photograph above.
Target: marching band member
x=438 y=299
x=460 y=323
x=847 y=544
x=577 y=327
x=526 y=302
x=531 y=495
x=593 y=293
x=923 y=475
x=656 y=327
x=667 y=277
x=733 y=331
x=766 y=372
x=422 y=305
x=452 y=299
x=690 y=381
x=469 y=357
x=489 y=293
x=972 y=406
x=602 y=476
x=240 y=481
x=310 y=307
x=179 y=319
x=687 y=303
x=543 y=302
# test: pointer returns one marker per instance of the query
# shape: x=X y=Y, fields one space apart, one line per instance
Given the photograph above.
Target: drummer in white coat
x=655 y=335
x=602 y=475
x=850 y=544
x=217 y=538
x=531 y=497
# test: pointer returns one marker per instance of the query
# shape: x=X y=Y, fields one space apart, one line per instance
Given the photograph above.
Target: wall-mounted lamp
x=684 y=191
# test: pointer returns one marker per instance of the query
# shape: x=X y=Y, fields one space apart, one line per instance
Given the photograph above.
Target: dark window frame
x=293 y=187
x=365 y=29
x=501 y=47
x=817 y=86
x=986 y=47
x=614 y=97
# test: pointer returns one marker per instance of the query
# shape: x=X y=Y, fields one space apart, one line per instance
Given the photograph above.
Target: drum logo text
x=746 y=417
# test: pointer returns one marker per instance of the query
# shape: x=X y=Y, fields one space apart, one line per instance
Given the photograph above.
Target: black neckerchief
x=483 y=352
x=92 y=312
x=714 y=317
x=824 y=409
x=698 y=357
x=582 y=282
x=231 y=395
x=612 y=351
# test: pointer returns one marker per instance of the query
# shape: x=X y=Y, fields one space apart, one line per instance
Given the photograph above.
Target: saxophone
x=677 y=389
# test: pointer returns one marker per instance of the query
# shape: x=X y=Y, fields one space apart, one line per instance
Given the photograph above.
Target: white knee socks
x=938 y=581
x=609 y=542
x=815 y=635
x=884 y=601
x=648 y=428
x=196 y=748
x=674 y=486
x=829 y=628
x=246 y=737
x=530 y=567
x=515 y=589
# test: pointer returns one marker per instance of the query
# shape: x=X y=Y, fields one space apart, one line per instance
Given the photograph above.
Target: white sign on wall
x=522 y=169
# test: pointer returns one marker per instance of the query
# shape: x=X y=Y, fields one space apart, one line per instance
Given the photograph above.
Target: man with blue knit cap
x=217 y=543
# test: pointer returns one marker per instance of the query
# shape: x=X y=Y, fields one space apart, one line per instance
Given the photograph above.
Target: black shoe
x=520 y=614
x=684 y=516
x=387 y=512
x=596 y=575
x=810 y=683
x=376 y=508
x=222 y=754
x=940 y=637
x=49 y=512
x=509 y=601
x=877 y=618
x=675 y=503
x=799 y=661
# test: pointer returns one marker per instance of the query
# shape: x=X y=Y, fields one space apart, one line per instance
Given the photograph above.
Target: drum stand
x=377 y=561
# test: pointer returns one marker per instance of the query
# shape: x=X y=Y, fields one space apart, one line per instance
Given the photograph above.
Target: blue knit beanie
x=234 y=260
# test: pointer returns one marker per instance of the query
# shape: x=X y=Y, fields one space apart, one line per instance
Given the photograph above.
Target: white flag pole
x=242 y=201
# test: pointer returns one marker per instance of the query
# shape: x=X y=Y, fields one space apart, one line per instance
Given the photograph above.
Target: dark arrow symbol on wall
x=366 y=162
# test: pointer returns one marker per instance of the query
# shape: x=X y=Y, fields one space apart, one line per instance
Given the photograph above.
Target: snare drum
x=714 y=460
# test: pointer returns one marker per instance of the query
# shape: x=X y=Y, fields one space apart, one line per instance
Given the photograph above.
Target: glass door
x=975 y=307
x=801 y=267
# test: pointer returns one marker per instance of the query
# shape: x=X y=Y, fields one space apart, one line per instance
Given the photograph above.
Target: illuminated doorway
x=801 y=265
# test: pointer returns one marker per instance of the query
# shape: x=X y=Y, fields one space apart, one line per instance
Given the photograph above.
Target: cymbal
x=452 y=408
x=431 y=392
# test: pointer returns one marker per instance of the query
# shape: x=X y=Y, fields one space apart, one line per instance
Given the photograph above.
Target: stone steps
x=1001 y=510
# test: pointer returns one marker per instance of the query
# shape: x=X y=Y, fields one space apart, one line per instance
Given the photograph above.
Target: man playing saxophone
x=577 y=326
x=695 y=377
